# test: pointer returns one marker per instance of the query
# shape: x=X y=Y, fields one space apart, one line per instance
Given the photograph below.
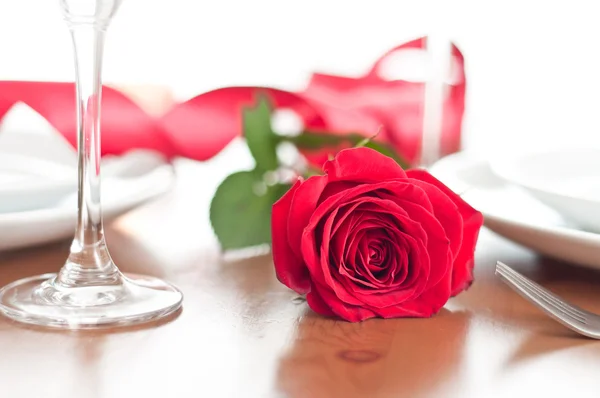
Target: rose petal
x=290 y=269
x=420 y=275
x=432 y=300
x=334 y=188
x=438 y=245
x=412 y=229
x=316 y=303
x=362 y=165
x=397 y=312
x=400 y=187
x=462 y=271
x=319 y=267
x=412 y=249
x=302 y=207
x=404 y=190
x=353 y=225
x=332 y=280
x=379 y=275
x=345 y=221
x=395 y=296
x=352 y=253
x=390 y=265
x=446 y=212
x=352 y=313
x=363 y=262
x=344 y=224
x=396 y=251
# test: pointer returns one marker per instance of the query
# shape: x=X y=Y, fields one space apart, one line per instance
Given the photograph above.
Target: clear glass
x=89 y=291
x=439 y=52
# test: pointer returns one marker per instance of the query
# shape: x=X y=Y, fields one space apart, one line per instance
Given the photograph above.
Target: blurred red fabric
x=202 y=126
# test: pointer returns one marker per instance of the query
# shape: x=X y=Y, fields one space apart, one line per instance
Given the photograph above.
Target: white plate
x=513 y=213
x=27 y=183
x=128 y=181
x=568 y=180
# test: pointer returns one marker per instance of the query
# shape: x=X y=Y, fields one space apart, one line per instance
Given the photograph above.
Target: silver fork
x=573 y=317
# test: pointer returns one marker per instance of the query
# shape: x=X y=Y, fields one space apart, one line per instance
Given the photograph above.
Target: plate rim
x=584 y=240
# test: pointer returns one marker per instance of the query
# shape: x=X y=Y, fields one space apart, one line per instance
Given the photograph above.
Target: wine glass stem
x=89 y=261
x=88 y=43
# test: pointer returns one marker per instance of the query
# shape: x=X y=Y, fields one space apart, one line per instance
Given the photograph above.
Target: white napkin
x=26 y=133
x=38 y=166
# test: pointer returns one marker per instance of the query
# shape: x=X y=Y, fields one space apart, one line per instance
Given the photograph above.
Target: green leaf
x=366 y=140
x=259 y=135
x=313 y=141
x=309 y=140
x=240 y=211
x=387 y=151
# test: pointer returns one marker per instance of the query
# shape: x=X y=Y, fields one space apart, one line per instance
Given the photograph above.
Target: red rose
x=368 y=239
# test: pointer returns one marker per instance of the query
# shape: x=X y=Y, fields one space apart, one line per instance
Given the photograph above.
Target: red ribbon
x=202 y=126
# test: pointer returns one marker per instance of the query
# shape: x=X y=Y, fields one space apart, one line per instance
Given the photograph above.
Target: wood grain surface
x=242 y=334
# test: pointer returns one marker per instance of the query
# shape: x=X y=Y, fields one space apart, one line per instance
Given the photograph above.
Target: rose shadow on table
x=376 y=358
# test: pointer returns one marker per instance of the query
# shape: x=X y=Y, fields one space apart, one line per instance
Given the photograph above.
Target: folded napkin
x=38 y=169
x=202 y=126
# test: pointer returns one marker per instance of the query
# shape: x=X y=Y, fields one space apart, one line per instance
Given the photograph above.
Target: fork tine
x=551 y=309
x=541 y=300
x=567 y=307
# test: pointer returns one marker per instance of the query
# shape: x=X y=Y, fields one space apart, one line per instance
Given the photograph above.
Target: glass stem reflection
x=89 y=262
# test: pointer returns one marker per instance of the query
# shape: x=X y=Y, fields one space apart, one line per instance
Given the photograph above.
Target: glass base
x=133 y=299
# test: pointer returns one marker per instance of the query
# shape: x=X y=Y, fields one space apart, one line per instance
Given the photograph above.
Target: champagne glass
x=89 y=291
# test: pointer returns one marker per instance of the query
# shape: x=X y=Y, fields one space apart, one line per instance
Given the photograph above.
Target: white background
x=533 y=67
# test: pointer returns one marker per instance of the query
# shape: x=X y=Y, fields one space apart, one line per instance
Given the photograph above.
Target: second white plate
x=567 y=180
x=512 y=212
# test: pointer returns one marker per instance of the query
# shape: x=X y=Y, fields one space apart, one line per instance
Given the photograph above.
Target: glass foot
x=133 y=299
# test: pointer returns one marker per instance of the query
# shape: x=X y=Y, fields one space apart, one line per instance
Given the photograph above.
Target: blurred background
x=532 y=67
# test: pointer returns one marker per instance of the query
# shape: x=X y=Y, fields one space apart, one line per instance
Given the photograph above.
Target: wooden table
x=242 y=334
